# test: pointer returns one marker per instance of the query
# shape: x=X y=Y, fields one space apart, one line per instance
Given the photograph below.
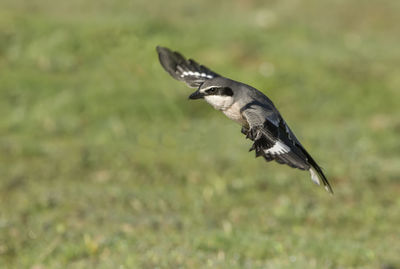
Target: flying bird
x=260 y=120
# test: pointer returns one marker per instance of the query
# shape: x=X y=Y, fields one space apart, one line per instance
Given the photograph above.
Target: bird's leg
x=258 y=147
x=254 y=134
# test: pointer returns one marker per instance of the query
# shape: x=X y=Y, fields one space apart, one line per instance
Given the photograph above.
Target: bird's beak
x=196 y=95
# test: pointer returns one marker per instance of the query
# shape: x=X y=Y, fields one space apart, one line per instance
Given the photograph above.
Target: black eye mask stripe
x=223 y=91
x=226 y=91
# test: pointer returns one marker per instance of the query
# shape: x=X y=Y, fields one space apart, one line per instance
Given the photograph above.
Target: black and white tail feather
x=188 y=71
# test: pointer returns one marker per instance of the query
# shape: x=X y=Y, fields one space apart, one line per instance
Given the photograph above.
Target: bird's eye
x=212 y=90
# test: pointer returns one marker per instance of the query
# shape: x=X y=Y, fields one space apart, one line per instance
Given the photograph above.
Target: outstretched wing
x=188 y=71
x=274 y=140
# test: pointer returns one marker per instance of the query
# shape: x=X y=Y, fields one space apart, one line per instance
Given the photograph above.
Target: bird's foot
x=253 y=134
x=258 y=147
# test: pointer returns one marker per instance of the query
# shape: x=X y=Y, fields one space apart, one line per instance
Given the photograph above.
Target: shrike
x=260 y=120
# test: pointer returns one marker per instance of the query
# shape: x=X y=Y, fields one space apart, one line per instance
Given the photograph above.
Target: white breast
x=233 y=112
x=227 y=106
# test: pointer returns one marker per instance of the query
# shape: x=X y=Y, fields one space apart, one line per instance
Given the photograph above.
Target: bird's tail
x=317 y=174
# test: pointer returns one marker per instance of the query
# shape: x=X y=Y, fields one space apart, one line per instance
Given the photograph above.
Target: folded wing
x=274 y=140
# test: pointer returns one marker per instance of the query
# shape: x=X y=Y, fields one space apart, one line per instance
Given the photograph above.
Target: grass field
x=104 y=163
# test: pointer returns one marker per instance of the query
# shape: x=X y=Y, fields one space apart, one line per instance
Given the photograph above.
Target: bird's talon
x=253 y=147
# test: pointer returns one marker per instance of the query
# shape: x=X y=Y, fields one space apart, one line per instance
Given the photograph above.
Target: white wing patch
x=196 y=74
x=278 y=148
x=314 y=177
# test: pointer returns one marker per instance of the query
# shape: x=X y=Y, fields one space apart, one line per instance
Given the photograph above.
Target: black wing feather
x=188 y=71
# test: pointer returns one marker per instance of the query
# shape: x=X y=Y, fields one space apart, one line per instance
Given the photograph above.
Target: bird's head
x=217 y=92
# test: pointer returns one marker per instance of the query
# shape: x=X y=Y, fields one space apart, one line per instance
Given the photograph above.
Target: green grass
x=104 y=163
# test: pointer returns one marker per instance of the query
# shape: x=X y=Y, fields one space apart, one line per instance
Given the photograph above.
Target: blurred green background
x=104 y=163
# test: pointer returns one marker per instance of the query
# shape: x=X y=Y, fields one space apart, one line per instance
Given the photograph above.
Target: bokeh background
x=104 y=163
